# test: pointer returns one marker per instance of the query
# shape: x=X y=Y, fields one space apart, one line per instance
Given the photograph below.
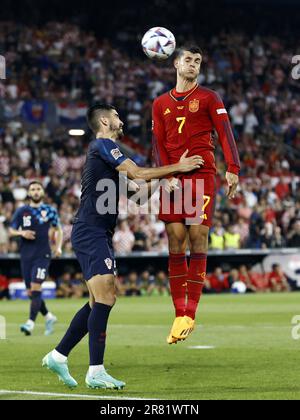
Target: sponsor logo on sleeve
x=116 y=154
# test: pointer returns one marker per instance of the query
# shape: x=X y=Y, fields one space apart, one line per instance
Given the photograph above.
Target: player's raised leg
x=103 y=289
x=178 y=274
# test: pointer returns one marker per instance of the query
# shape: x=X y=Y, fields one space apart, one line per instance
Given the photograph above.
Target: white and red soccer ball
x=159 y=43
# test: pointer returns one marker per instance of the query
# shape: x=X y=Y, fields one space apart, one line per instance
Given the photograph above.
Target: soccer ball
x=159 y=43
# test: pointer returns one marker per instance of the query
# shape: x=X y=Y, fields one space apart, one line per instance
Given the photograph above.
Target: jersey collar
x=184 y=96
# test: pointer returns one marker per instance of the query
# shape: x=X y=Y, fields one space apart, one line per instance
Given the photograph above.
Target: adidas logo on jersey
x=116 y=154
x=167 y=111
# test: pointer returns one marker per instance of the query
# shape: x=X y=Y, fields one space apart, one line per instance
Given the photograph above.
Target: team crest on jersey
x=108 y=263
x=116 y=154
x=194 y=105
x=44 y=214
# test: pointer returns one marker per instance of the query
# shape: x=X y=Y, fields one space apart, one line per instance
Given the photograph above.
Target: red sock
x=178 y=270
x=195 y=282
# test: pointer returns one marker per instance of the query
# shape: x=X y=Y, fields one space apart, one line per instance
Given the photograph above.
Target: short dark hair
x=35 y=183
x=95 y=112
x=192 y=48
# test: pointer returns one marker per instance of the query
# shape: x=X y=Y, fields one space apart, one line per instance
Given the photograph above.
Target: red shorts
x=193 y=203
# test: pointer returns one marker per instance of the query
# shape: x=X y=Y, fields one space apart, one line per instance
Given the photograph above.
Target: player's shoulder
x=103 y=143
x=162 y=98
x=208 y=93
x=50 y=209
x=22 y=209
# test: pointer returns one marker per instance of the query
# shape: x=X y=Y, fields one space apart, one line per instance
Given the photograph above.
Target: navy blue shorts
x=35 y=271
x=93 y=247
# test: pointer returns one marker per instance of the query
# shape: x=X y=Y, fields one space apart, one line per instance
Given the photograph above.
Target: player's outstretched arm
x=26 y=234
x=186 y=164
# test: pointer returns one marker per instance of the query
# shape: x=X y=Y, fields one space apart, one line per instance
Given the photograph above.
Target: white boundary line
x=50 y=394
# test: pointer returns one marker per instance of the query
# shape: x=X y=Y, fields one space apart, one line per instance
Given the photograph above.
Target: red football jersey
x=184 y=121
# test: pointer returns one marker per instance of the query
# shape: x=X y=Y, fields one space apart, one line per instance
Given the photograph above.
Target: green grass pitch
x=253 y=354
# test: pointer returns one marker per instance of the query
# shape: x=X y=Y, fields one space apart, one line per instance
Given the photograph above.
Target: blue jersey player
x=92 y=242
x=33 y=223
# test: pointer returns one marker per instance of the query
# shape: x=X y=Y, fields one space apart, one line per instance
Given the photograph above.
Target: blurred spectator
x=245 y=277
x=162 y=283
x=277 y=280
x=4 y=288
x=132 y=286
x=294 y=235
x=123 y=239
x=64 y=286
x=218 y=281
x=147 y=283
x=217 y=241
x=232 y=239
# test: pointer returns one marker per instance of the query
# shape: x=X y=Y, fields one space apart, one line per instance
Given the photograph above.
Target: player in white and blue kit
x=92 y=243
x=32 y=223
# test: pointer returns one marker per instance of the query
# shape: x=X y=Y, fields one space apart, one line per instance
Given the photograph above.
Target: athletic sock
x=58 y=357
x=44 y=311
x=178 y=273
x=195 y=282
x=97 y=325
x=76 y=331
x=49 y=316
x=35 y=305
x=94 y=370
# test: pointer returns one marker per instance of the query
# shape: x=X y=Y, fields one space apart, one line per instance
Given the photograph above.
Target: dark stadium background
x=122 y=24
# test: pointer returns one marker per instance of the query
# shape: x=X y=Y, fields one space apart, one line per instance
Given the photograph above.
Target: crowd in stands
x=54 y=72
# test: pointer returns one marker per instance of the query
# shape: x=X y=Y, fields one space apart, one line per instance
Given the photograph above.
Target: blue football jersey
x=103 y=157
x=39 y=220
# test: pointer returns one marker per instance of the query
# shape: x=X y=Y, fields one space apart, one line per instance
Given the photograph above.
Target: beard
x=36 y=200
x=118 y=131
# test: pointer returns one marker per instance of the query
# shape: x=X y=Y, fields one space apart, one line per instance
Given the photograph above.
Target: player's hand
x=171 y=185
x=57 y=253
x=189 y=164
x=233 y=182
x=28 y=234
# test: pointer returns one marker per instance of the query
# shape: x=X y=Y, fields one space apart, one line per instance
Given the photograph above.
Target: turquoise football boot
x=61 y=369
x=26 y=329
x=49 y=326
x=103 y=380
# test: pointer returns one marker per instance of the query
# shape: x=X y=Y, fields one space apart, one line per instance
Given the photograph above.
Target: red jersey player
x=186 y=118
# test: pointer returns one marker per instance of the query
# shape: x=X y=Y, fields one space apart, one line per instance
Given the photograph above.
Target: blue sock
x=35 y=306
x=78 y=329
x=97 y=325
